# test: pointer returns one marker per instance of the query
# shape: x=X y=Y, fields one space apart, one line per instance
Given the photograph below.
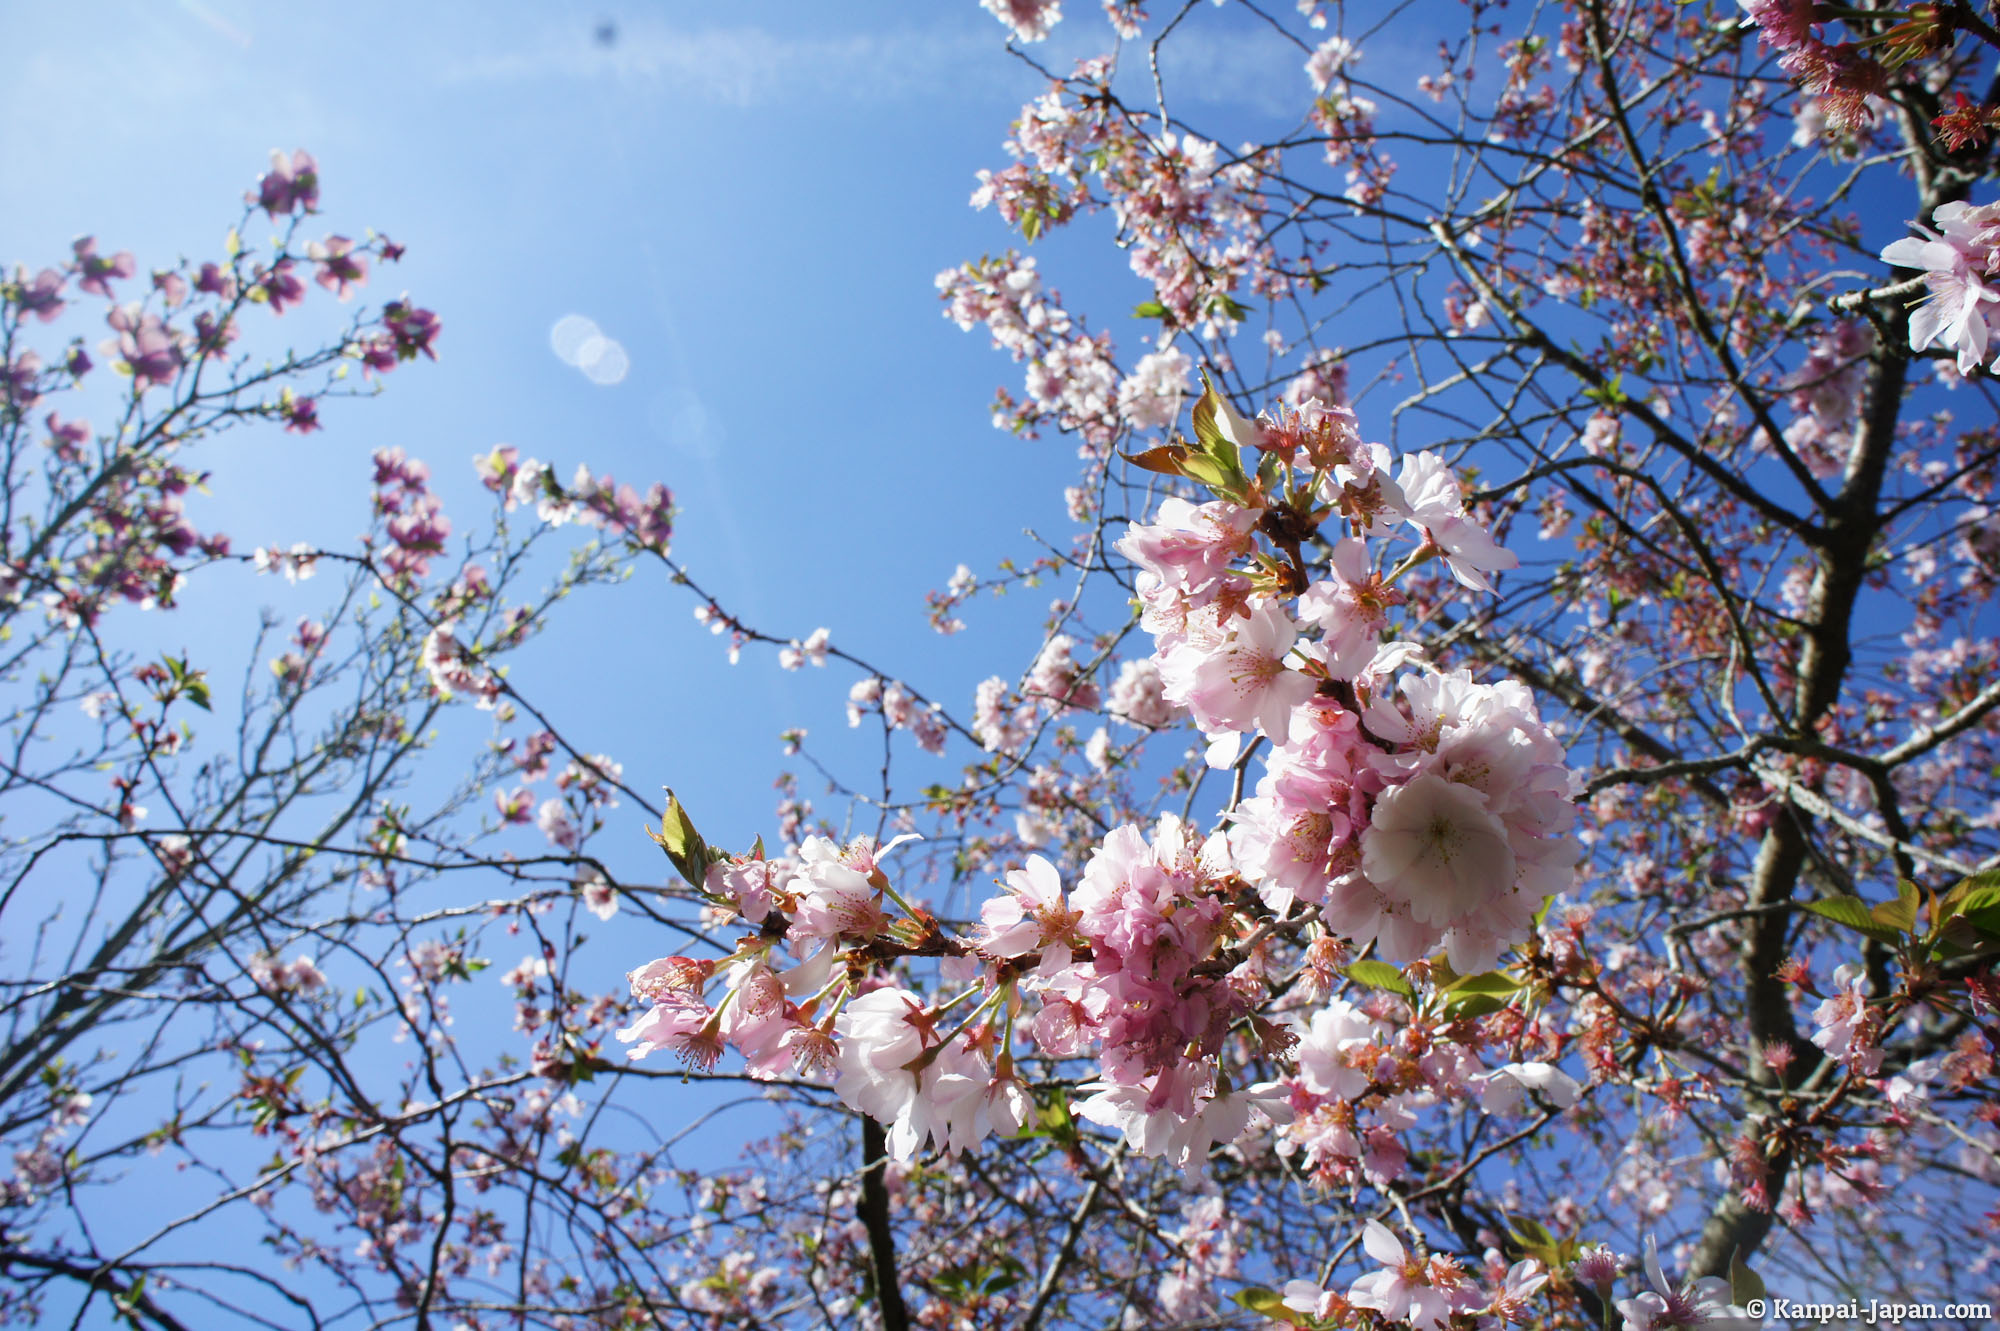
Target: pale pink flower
x=810 y=652
x=1433 y=846
x=1242 y=682
x=959 y=1102
x=1058 y=681
x=1138 y=695
x=1032 y=914
x=1697 y=1304
x=1223 y=1118
x=1505 y=1089
x=1956 y=260
x=750 y=885
x=1524 y=1279
x=1303 y=1296
x=1330 y=60
x=1187 y=547
x=555 y=823
x=297 y=976
x=1597 y=1267
x=1150 y=397
x=839 y=900
x=1436 y=509
x=677 y=1024
x=599 y=896
x=1030 y=20
x=1848 y=1029
x=1323 y=379
x=1403 y=1291
x=1783 y=25
x=881 y=1033
x=1001 y=727
x=1326 y=1048
x=1351 y=609
x=863 y=696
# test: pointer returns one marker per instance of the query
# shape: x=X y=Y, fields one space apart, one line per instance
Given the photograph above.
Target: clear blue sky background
x=750 y=201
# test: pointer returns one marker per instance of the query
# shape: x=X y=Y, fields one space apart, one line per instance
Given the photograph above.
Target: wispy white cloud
x=750 y=66
x=220 y=24
x=747 y=66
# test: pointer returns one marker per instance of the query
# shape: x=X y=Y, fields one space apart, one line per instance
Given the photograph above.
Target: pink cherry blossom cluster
x=417 y=527
x=1184 y=213
x=454 y=669
x=1427 y=1291
x=1826 y=392
x=1028 y=20
x=290 y=186
x=1071 y=379
x=1426 y=812
x=1347 y=119
x=900 y=709
x=1367 y=1071
x=294 y=668
x=1842 y=76
x=1410 y=812
x=1960 y=262
x=133 y=553
x=299 y=976
x=1846 y=1027
x=182 y=326
x=645 y=521
x=44 y=1165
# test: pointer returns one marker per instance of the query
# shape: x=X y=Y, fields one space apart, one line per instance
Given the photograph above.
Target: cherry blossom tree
x=1497 y=827
x=1587 y=849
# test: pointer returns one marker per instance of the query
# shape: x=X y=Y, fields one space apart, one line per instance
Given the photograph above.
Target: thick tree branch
x=874 y=1213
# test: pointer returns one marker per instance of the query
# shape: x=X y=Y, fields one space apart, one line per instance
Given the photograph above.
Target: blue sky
x=752 y=199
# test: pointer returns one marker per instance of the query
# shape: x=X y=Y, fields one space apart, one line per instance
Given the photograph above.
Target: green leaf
x=1497 y=983
x=1532 y=1234
x=1204 y=468
x=1900 y=914
x=1051 y=1119
x=684 y=846
x=1982 y=911
x=1229 y=305
x=1609 y=394
x=1972 y=907
x=1854 y=914
x=1469 y=996
x=1380 y=975
x=1744 y=1284
x=1264 y=1302
x=1987 y=880
x=1212 y=415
